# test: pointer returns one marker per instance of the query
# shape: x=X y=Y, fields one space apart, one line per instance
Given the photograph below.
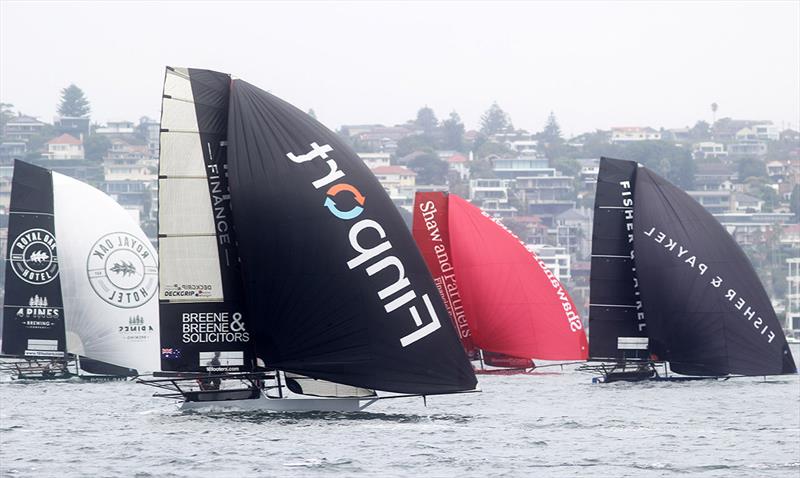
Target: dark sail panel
x=33 y=312
x=203 y=326
x=615 y=304
x=707 y=312
x=338 y=288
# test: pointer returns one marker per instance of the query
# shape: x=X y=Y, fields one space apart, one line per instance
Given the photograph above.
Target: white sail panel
x=178 y=115
x=181 y=155
x=177 y=84
x=109 y=278
x=190 y=269
x=185 y=208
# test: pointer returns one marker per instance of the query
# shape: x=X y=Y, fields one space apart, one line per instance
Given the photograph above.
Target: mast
x=203 y=322
x=707 y=311
x=338 y=287
x=33 y=312
x=617 y=320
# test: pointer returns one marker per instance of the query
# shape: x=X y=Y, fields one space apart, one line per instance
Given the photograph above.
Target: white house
x=634 y=133
x=64 y=147
x=374 y=160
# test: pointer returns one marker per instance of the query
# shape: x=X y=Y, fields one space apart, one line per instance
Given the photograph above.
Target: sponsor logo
x=375 y=258
x=38 y=315
x=187 y=290
x=213 y=327
x=627 y=201
x=33 y=256
x=123 y=270
x=690 y=261
x=136 y=329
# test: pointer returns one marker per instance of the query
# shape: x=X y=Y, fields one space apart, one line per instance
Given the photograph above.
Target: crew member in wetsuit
x=212 y=383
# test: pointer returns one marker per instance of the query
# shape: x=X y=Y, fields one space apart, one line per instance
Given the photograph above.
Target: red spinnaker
x=432 y=236
x=512 y=302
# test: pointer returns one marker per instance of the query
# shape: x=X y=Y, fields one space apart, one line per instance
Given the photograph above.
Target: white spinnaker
x=109 y=278
x=188 y=244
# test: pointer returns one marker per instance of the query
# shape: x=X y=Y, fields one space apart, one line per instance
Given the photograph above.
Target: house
x=64 y=147
x=21 y=128
x=547 y=194
x=555 y=258
x=72 y=125
x=399 y=182
x=459 y=165
x=765 y=132
x=374 y=160
x=634 y=133
x=11 y=150
x=745 y=203
x=793 y=296
x=510 y=168
x=708 y=150
x=715 y=201
x=590 y=169
x=117 y=127
x=712 y=176
x=747 y=148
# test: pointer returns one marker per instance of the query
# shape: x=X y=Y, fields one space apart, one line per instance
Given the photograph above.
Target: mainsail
x=78 y=282
x=33 y=312
x=336 y=287
x=202 y=314
x=707 y=311
x=513 y=304
x=615 y=305
x=669 y=283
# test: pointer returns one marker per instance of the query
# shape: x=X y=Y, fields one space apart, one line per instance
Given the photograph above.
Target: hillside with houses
x=745 y=172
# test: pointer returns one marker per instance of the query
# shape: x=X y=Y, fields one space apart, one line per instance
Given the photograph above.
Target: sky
x=594 y=64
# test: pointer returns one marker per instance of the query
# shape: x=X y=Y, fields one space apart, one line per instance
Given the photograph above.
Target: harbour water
x=541 y=425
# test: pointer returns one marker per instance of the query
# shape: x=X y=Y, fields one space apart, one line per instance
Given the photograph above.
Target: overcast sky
x=596 y=65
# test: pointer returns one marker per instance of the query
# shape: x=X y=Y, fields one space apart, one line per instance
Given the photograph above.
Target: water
x=546 y=425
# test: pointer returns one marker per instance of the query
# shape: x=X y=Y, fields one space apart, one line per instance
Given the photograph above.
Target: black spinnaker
x=707 y=311
x=333 y=281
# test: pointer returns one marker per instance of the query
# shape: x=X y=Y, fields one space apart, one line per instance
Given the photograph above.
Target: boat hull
x=262 y=403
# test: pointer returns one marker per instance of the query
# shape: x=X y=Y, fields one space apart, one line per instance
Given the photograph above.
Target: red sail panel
x=512 y=302
x=431 y=234
x=494 y=359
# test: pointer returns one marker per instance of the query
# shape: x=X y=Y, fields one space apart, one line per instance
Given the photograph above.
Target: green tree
x=73 y=102
x=453 y=132
x=417 y=142
x=5 y=114
x=551 y=135
x=794 y=201
x=495 y=120
x=700 y=131
x=751 y=168
x=95 y=146
x=490 y=148
x=429 y=168
x=426 y=120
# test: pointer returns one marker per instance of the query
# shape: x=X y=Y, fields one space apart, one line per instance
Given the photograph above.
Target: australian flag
x=171 y=353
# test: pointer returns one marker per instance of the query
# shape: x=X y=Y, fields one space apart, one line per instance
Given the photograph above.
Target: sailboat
x=507 y=306
x=80 y=283
x=671 y=287
x=288 y=279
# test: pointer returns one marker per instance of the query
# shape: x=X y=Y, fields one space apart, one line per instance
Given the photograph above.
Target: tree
x=714 y=107
x=551 y=135
x=426 y=120
x=751 y=168
x=429 y=168
x=794 y=201
x=453 y=132
x=5 y=114
x=700 y=131
x=417 y=142
x=95 y=146
x=495 y=120
x=311 y=113
x=73 y=103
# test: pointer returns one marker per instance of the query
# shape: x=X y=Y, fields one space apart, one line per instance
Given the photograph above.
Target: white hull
x=263 y=403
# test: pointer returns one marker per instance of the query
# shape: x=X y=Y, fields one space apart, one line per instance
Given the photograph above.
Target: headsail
x=707 y=312
x=338 y=287
x=432 y=235
x=514 y=304
x=109 y=278
x=615 y=309
x=202 y=315
x=33 y=314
